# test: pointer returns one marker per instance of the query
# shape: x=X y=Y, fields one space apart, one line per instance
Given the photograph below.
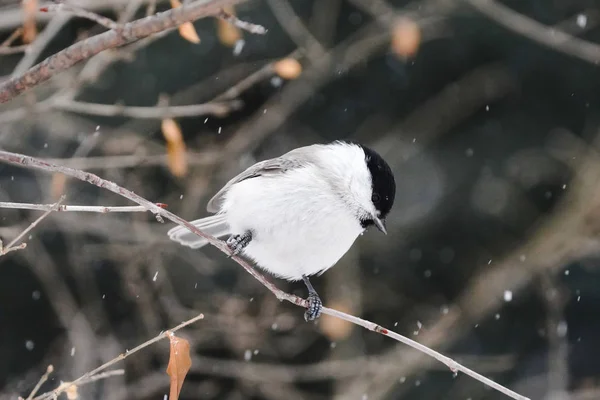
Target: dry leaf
x=226 y=32
x=57 y=185
x=72 y=393
x=179 y=364
x=30 y=8
x=288 y=68
x=175 y=147
x=406 y=37
x=335 y=328
x=186 y=30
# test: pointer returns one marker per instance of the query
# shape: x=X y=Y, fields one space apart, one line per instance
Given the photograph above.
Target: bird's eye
x=375 y=198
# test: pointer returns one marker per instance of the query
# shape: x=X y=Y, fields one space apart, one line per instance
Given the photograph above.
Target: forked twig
x=11 y=246
x=96 y=373
x=80 y=12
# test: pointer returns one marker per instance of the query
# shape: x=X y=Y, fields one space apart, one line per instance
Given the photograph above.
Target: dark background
x=492 y=250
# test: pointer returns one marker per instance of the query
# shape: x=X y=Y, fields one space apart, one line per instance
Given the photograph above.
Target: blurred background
x=487 y=111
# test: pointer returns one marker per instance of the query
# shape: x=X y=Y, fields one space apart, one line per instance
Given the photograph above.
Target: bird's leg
x=237 y=243
x=315 y=305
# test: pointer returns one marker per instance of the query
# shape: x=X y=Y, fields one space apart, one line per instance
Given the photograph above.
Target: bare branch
x=219 y=109
x=247 y=26
x=80 y=12
x=63 y=208
x=4 y=47
x=95 y=374
x=13 y=36
x=11 y=246
x=548 y=36
x=129 y=33
x=4 y=50
x=39 y=44
x=30 y=162
x=42 y=380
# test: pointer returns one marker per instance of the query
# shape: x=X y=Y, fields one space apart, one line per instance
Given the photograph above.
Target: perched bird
x=296 y=215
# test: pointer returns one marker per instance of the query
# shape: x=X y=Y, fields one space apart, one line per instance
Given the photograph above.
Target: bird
x=297 y=214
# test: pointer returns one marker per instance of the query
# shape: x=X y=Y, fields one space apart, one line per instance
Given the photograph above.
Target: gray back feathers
x=275 y=166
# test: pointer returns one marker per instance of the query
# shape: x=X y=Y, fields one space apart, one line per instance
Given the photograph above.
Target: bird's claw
x=315 y=306
x=237 y=243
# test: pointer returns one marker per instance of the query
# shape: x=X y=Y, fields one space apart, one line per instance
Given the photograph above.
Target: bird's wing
x=275 y=166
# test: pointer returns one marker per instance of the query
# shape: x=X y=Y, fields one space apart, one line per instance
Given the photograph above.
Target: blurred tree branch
x=548 y=36
x=127 y=33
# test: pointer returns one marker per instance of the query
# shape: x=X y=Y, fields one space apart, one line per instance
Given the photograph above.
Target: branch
x=59 y=208
x=11 y=246
x=216 y=108
x=5 y=50
x=246 y=26
x=30 y=162
x=80 y=12
x=547 y=36
x=42 y=380
x=128 y=33
x=95 y=374
x=219 y=109
x=5 y=46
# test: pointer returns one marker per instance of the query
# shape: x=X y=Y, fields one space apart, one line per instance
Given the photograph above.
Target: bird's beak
x=380 y=224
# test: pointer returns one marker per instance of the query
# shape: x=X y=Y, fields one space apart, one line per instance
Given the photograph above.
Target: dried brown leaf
x=176 y=150
x=188 y=32
x=57 y=185
x=179 y=364
x=406 y=37
x=336 y=328
x=187 y=29
x=288 y=68
x=72 y=393
x=228 y=34
x=30 y=8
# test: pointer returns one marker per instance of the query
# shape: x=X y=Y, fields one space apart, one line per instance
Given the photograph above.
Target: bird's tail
x=214 y=225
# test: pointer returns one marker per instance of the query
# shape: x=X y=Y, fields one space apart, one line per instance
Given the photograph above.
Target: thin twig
x=5 y=46
x=13 y=36
x=39 y=44
x=67 y=386
x=247 y=26
x=450 y=363
x=60 y=208
x=292 y=24
x=89 y=376
x=249 y=81
x=219 y=109
x=31 y=162
x=80 y=12
x=9 y=247
x=42 y=380
x=5 y=51
x=548 y=36
x=128 y=33
x=127 y=161
x=103 y=375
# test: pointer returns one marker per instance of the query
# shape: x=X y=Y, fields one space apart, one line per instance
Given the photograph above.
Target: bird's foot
x=237 y=243
x=315 y=305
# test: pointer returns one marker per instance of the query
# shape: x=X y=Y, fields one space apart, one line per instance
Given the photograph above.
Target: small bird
x=296 y=215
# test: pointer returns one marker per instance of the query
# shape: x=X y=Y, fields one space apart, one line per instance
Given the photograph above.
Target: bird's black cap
x=384 y=184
